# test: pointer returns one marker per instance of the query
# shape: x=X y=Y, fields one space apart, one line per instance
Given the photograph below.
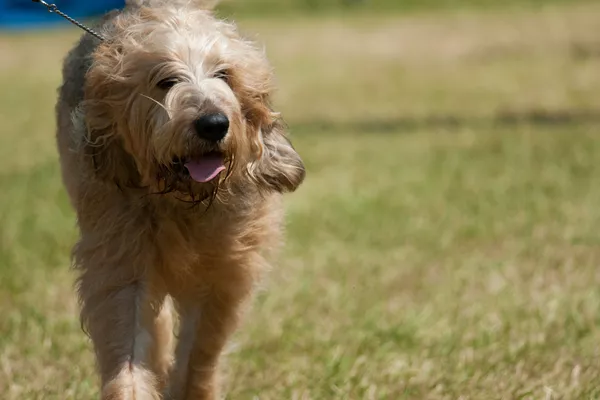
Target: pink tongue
x=206 y=168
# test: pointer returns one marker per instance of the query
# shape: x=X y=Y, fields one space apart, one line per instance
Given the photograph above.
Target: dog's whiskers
x=158 y=103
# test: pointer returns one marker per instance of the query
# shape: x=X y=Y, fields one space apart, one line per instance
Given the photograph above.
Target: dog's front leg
x=207 y=323
x=120 y=312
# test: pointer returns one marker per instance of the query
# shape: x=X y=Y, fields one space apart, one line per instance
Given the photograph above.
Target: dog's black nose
x=212 y=127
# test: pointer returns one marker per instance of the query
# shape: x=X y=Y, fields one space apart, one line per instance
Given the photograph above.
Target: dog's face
x=175 y=100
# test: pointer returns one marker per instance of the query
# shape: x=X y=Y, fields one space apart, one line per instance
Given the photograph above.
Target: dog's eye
x=222 y=75
x=167 y=83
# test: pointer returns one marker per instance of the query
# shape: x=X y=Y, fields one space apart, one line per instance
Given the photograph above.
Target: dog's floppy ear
x=280 y=167
x=105 y=154
x=98 y=117
x=110 y=160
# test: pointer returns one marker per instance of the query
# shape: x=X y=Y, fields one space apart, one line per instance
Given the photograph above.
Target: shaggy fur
x=155 y=243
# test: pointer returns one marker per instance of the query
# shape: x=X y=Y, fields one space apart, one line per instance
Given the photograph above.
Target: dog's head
x=176 y=100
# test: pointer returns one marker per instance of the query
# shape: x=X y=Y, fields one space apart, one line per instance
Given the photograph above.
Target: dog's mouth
x=201 y=169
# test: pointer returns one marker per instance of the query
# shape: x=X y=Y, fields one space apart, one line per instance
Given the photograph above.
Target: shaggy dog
x=175 y=163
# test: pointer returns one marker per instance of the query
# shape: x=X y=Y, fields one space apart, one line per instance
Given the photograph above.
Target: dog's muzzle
x=211 y=128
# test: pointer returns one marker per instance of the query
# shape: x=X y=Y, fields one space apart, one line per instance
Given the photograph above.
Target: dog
x=175 y=163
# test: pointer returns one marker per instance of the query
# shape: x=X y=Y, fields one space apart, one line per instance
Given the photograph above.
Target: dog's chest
x=225 y=238
x=185 y=241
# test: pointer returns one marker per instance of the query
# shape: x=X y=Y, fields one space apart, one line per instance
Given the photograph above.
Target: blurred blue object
x=24 y=14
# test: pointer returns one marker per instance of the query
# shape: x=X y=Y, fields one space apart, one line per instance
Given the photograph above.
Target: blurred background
x=446 y=243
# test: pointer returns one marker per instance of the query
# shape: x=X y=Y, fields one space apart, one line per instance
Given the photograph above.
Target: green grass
x=446 y=242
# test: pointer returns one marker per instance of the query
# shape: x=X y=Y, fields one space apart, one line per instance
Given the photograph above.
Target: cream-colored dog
x=175 y=163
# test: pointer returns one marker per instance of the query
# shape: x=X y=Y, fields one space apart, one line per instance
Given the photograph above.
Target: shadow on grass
x=540 y=118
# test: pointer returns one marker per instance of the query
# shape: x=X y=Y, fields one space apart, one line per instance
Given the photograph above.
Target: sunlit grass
x=445 y=243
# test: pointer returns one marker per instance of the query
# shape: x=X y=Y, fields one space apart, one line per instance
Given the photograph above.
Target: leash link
x=53 y=8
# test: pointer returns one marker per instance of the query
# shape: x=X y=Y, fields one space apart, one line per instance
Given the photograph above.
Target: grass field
x=446 y=243
x=292 y=7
